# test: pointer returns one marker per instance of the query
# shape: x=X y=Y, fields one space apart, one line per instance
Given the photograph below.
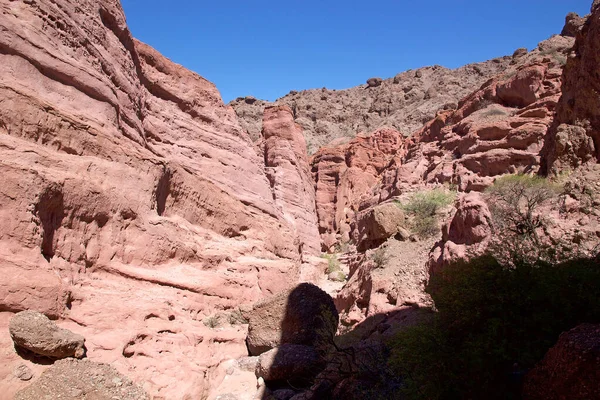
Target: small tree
x=423 y=208
x=515 y=203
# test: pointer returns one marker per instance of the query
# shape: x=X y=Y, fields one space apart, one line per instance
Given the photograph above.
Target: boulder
x=570 y=370
x=33 y=331
x=304 y=315
x=520 y=52
x=289 y=363
x=521 y=90
x=374 y=82
x=378 y=224
x=82 y=379
x=466 y=235
x=573 y=24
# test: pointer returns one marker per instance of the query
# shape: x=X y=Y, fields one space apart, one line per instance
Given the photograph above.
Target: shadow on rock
x=310 y=362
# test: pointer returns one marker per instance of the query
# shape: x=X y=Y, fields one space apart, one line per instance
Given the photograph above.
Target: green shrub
x=423 y=208
x=333 y=264
x=493 y=324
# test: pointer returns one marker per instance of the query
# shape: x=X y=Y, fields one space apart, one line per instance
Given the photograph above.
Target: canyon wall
x=133 y=204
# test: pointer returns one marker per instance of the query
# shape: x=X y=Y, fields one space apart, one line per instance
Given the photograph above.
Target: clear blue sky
x=265 y=48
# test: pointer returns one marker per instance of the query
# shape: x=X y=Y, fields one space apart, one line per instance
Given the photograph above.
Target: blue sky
x=265 y=48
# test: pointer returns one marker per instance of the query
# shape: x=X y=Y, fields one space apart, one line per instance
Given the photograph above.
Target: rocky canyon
x=157 y=243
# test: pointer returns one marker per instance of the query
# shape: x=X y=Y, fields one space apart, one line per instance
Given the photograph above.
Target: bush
x=333 y=264
x=212 y=321
x=236 y=317
x=380 y=257
x=515 y=203
x=493 y=324
x=423 y=208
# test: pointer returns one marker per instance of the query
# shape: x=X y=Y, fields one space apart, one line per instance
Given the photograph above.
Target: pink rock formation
x=287 y=168
x=344 y=176
x=133 y=204
x=466 y=235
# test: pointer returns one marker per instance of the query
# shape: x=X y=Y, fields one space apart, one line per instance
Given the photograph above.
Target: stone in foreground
x=33 y=331
x=73 y=379
x=289 y=363
x=570 y=370
x=302 y=315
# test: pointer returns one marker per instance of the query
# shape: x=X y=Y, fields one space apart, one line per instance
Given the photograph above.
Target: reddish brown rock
x=579 y=103
x=379 y=223
x=570 y=370
x=402 y=102
x=76 y=379
x=33 y=331
x=573 y=25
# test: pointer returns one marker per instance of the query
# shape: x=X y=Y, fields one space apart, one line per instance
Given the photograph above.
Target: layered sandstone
x=288 y=172
x=134 y=205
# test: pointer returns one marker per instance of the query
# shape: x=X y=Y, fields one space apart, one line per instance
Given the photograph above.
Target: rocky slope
x=507 y=126
x=403 y=103
x=134 y=205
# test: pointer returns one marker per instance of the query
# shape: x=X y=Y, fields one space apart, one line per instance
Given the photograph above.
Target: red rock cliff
x=133 y=204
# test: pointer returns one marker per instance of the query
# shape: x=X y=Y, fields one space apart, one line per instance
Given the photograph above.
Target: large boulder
x=290 y=363
x=304 y=315
x=33 y=331
x=81 y=379
x=378 y=224
x=570 y=370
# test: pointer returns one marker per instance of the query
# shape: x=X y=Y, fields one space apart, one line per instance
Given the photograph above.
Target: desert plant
x=379 y=257
x=423 y=208
x=236 y=317
x=333 y=264
x=493 y=112
x=212 y=322
x=515 y=203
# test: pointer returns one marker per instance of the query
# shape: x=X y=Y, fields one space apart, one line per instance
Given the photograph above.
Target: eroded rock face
x=570 y=370
x=344 y=177
x=302 y=315
x=573 y=25
x=33 y=331
x=82 y=379
x=466 y=235
x=578 y=107
x=130 y=193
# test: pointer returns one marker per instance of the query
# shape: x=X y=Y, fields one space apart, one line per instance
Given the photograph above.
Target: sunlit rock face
x=133 y=204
